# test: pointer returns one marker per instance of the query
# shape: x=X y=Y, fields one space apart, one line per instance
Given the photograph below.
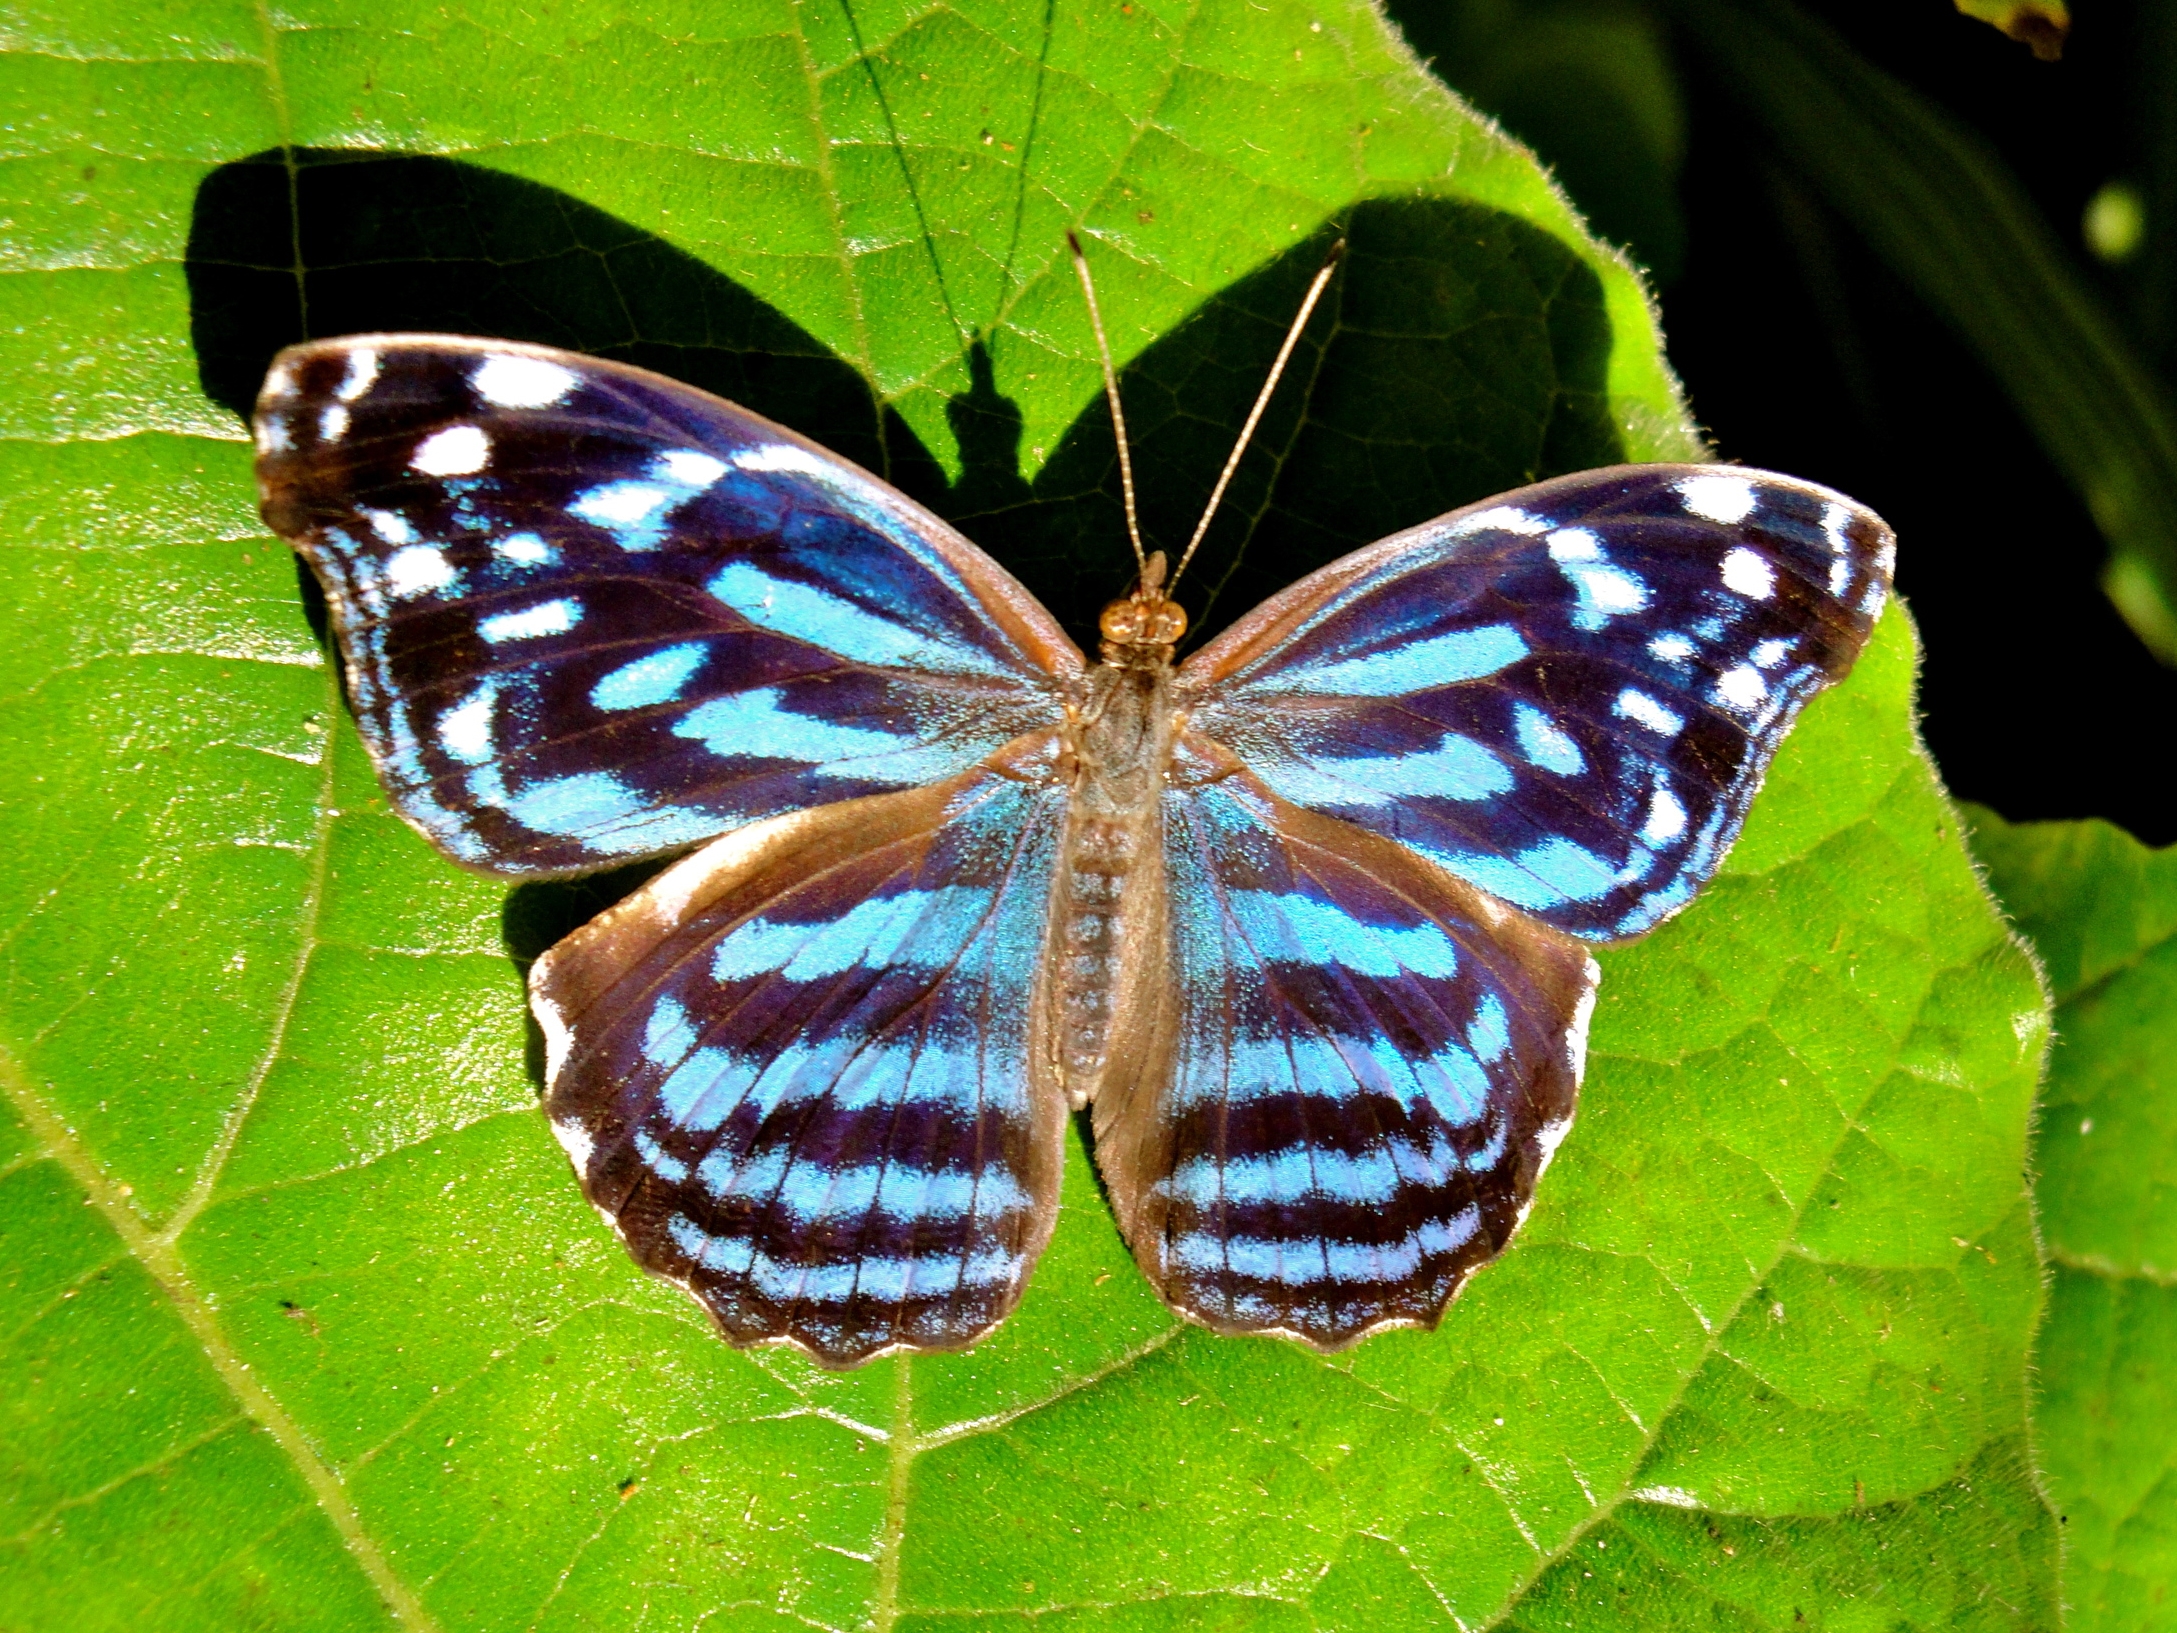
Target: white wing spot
x=459 y=450
x=332 y=424
x=688 y=468
x=466 y=728
x=1834 y=516
x=418 y=569
x=521 y=382
x=1747 y=573
x=1725 y=499
x=1671 y=648
x=1666 y=818
x=523 y=549
x=1640 y=707
x=547 y=618
x=783 y=456
x=573 y=1138
x=362 y=370
x=619 y=504
x=1505 y=519
x=1604 y=591
x=279 y=380
x=390 y=526
x=1743 y=687
x=1551 y=1135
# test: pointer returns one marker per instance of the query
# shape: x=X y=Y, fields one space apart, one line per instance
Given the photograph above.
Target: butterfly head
x=1140 y=631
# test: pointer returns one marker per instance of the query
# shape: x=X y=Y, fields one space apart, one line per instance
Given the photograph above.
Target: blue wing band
x=1567 y=696
x=588 y=613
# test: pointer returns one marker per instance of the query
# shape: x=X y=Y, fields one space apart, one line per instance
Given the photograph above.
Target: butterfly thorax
x=1108 y=905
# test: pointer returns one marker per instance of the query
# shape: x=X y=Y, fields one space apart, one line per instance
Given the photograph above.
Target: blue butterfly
x=1305 y=918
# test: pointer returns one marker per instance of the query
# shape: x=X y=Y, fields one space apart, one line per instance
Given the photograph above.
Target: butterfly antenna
x=1111 y=394
x=1262 y=401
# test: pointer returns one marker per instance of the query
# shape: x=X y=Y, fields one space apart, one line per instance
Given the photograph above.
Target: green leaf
x=1590 y=86
x=306 y=1323
x=1946 y=214
x=2102 y=910
x=2041 y=24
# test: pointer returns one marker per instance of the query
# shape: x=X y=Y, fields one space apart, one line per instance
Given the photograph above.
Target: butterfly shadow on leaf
x=1461 y=351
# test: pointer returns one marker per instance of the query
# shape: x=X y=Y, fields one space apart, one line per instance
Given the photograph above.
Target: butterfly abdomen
x=1108 y=905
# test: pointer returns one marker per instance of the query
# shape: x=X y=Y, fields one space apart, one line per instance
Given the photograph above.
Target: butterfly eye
x=1167 y=621
x=1136 y=622
x=1121 y=622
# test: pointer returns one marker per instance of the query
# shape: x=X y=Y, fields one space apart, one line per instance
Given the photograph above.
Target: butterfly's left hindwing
x=797 y=1073
x=589 y=613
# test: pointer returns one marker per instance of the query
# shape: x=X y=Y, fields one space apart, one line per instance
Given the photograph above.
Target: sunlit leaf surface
x=2102 y=911
x=305 y=1323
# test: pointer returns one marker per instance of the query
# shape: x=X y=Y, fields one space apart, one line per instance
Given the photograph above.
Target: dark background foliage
x=1804 y=348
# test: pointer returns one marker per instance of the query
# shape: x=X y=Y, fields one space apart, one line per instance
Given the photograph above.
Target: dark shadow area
x=1802 y=351
x=1459 y=352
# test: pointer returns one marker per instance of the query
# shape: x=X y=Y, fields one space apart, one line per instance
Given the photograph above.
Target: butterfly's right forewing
x=1567 y=695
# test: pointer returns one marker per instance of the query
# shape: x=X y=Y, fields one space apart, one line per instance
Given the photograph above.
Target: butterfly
x=1306 y=918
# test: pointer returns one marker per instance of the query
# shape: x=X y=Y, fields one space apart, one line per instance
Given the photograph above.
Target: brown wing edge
x=1133 y=1145
x=737 y=874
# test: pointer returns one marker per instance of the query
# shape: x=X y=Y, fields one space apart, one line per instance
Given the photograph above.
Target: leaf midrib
x=2103 y=1268
x=162 y=1261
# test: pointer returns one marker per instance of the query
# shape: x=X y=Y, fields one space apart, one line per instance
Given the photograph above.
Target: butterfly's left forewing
x=589 y=613
x=798 y=1073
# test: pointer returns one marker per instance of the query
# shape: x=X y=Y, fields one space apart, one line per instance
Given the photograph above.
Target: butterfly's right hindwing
x=590 y=614
x=798 y=1074
x=1365 y=1066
